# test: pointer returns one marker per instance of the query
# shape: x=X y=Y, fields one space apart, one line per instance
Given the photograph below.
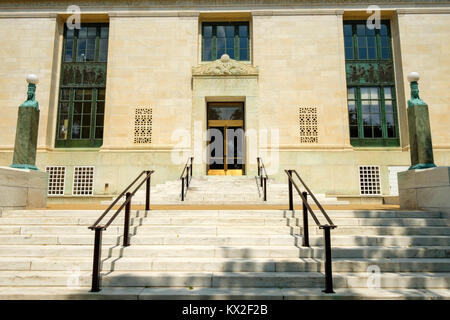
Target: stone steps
x=215 y=250
x=224 y=279
x=178 y=264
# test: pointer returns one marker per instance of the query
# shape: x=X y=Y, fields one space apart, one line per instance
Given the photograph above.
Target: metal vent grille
x=309 y=132
x=56 y=180
x=369 y=180
x=83 y=181
x=143 y=121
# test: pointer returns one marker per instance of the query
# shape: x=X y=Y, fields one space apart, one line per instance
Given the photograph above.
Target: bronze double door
x=226 y=138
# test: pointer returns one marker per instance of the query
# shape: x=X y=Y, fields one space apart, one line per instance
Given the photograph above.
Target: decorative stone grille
x=56 y=180
x=143 y=122
x=369 y=180
x=83 y=181
x=309 y=132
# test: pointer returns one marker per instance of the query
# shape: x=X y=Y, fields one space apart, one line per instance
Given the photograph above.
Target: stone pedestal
x=22 y=188
x=425 y=189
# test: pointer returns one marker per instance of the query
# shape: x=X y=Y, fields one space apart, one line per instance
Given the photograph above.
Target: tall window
x=231 y=38
x=370 y=85
x=82 y=86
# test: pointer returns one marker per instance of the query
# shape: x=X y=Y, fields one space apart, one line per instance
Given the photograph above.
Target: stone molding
x=225 y=66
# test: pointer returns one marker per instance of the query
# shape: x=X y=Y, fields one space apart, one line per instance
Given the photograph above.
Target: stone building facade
x=313 y=88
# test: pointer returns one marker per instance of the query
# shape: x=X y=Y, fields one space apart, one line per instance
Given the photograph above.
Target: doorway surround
x=225 y=80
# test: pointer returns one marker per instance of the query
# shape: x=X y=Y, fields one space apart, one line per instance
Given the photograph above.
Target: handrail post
x=259 y=168
x=187 y=177
x=147 y=192
x=182 y=189
x=328 y=267
x=305 y=221
x=126 y=241
x=291 y=199
x=265 y=189
x=97 y=260
x=192 y=164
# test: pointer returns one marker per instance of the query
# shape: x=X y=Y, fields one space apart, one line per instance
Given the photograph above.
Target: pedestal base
x=426 y=189
x=22 y=188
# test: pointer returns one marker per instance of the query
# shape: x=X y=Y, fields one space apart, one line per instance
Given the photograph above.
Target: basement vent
x=369 y=180
x=56 y=180
x=308 y=125
x=143 y=125
x=83 y=181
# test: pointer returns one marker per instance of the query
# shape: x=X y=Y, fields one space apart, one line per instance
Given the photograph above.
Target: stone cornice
x=225 y=67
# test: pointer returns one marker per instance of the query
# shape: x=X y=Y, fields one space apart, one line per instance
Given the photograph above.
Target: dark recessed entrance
x=226 y=149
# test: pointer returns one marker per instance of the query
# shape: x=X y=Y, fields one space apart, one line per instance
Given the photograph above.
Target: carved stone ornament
x=225 y=66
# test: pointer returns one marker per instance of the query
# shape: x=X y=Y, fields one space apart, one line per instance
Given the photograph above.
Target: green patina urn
x=419 y=128
x=27 y=129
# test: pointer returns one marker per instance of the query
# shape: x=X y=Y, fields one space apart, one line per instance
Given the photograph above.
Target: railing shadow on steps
x=98 y=228
x=262 y=176
x=325 y=227
x=186 y=177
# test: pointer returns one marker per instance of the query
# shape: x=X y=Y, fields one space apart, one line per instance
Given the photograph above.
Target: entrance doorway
x=226 y=149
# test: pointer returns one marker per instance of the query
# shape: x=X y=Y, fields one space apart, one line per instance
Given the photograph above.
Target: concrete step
x=378 y=252
x=151 y=251
x=384 y=240
x=207 y=293
x=223 y=264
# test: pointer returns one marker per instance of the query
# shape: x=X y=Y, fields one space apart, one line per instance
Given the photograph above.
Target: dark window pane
x=351 y=106
x=353 y=119
x=65 y=94
x=99 y=120
x=76 y=129
x=68 y=57
x=354 y=131
x=230 y=43
x=229 y=31
x=77 y=107
x=87 y=108
x=104 y=32
x=374 y=107
x=81 y=50
x=99 y=133
x=207 y=31
x=70 y=33
x=88 y=94
x=366 y=119
x=376 y=120
x=384 y=29
x=378 y=132
x=86 y=120
x=101 y=94
x=372 y=53
x=230 y=52
x=351 y=93
x=243 y=54
x=391 y=132
x=220 y=43
x=82 y=33
x=64 y=107
x=348 y=41
x=243 y=43
x=385 y=53
x=362 y=42
x=368 y=132
x=362 y=53
x=79 y=94
x=348 y=53
x=85 y=132
x=388 y=106
x=220 y=31
x=361 y=29
x=92 y=32
x=103 y=50
x=348 y=30
x=365 y=106
x=389 y=119
x=243 y=31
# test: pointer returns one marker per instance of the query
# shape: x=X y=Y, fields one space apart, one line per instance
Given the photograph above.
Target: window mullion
x=359 y=108
x=70 y=117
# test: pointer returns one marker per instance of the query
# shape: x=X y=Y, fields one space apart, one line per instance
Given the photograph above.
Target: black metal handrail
x=96 y=269
x=262 y=176
x=186 y=177
x=326 y=227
